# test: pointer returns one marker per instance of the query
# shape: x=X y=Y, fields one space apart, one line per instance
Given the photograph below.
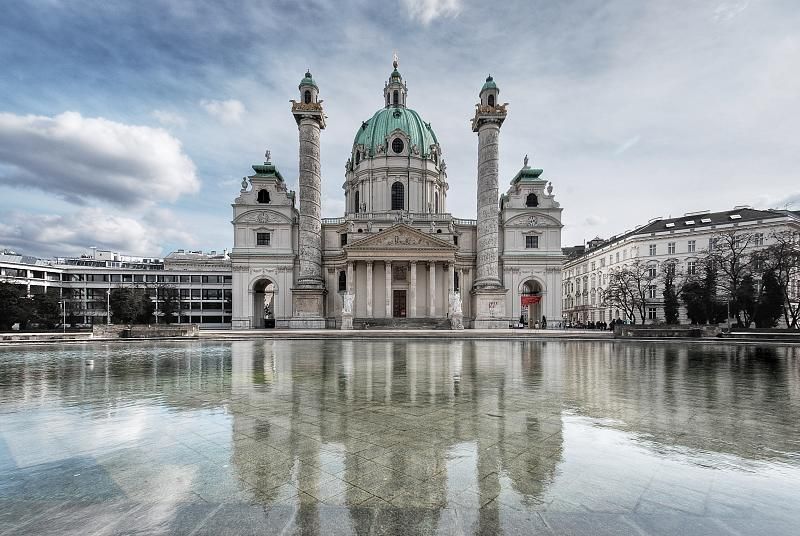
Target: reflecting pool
x=412 y=437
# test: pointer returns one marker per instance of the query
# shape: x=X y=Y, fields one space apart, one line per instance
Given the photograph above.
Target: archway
x=531 y=294
x=263 y=304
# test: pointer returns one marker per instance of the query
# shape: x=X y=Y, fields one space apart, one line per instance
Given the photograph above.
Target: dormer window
x=532 y=200
x=263 y=196
x=307 y=97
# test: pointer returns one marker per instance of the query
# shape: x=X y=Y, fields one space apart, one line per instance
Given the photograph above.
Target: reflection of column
x=431 y=289
x=369 y=289
x=412 y=291
x=388 y=269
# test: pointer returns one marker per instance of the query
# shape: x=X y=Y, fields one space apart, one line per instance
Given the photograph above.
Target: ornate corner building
x=398 y=257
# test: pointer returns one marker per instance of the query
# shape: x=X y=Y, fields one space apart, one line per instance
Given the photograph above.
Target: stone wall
x=145 y=331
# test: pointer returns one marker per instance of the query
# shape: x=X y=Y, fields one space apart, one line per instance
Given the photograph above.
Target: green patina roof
x=267 y=169
x=374 y=131
x=527 y=174
x=489 y=84
x=307 y=81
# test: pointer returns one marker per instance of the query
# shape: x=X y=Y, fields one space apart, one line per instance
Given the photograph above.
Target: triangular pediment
x=401 y=237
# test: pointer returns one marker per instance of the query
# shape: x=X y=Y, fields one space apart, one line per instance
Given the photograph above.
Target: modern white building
x=684 y=240
x=203 y=282
x=397 y=257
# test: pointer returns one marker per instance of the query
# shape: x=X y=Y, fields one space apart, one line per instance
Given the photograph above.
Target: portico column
x=388 y=270
x=412 y=291
x=351 y=282
x=451 y=273
x=432 y=289
x=369 y=289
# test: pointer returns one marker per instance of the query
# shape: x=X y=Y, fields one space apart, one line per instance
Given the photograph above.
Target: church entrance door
x=399 y=303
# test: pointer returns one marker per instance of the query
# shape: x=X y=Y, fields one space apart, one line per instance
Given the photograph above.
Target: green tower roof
x=307 y=81
x=374 y=131
x=489 y=84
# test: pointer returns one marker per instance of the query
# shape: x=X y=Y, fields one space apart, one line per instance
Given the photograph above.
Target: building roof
x=377 y=129
x=692 y=220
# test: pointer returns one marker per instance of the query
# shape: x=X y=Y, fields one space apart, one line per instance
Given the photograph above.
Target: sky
x=129 y=125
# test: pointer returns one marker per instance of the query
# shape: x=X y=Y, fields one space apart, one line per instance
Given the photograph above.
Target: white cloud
x=427 y=10
x=169 y=119
x=627 y=144
x=229 y=112
x=74 y=233
x=81 y=158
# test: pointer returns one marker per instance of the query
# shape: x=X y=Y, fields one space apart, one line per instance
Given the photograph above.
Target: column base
x=347 y=321
x=456 y=321
x=489 y=306
x=308 y=308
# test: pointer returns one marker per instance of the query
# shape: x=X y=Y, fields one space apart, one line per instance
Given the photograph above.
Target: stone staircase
x=401 y=323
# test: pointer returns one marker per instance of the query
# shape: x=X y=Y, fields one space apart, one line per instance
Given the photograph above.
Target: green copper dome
x=307 y=81
x=374 y=131
x=489 y=84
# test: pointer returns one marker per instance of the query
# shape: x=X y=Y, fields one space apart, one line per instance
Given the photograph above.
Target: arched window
x=456 y=281
x=342 y=281
x=532 y=201
x=358 y=157
x=396 y=97
x=436 y=202
x=491 y=100
x=398 y=196
x=307 y=97
x=358 y=205
x=263 y=196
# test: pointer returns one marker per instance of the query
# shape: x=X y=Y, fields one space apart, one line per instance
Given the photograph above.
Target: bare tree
x=733 y=260
x=628 y=289
x=783 y=258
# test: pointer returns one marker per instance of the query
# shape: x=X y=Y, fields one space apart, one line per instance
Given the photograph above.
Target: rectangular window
x=652 y=313
x=602 y=262
x=184 y=293
x=531 y=242
x=617 y=256
x=758 y=239
x=196 y=279
x=651 y=272
x=593 y=266
x=691 y=268
x=652 y=249
x=186 y=279
x=195 y=293
x=671 y=248
x=151 y=279
x=690 y=246
x=343 y=239
x=651 y=292
x=262 y=239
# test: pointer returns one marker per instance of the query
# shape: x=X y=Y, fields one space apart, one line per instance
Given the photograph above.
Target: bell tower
x=308 y=295
x=488 y=294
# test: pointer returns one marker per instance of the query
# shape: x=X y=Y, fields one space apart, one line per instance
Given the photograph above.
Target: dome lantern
x=395 y=90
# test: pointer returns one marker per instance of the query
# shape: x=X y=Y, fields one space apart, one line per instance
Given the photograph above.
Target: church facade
x=397 y=257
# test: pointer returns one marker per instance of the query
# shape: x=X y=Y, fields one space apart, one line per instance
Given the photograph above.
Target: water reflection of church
x=421 y=427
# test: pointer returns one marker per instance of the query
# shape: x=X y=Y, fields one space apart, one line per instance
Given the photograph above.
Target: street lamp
x=63 y=315
x=108 y=307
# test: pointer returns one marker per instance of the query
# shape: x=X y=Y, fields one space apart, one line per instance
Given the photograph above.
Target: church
x=397 y=258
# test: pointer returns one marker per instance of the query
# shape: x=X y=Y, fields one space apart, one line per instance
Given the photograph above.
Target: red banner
x=531 y=300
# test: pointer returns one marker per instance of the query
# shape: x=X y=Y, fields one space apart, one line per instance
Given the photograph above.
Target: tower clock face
x=397 y=145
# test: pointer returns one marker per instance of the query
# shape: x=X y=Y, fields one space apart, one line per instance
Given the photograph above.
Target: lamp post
x=108 y=307
x=156 y=315
x=63 y=315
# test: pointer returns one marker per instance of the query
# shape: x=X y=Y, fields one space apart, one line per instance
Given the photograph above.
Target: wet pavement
x=400 y=437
